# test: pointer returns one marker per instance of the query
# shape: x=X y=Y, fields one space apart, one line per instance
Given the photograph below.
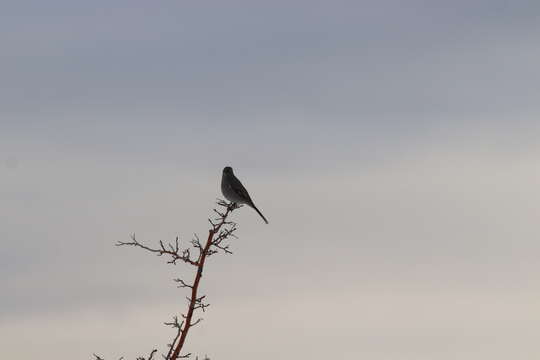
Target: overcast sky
x=394 y=147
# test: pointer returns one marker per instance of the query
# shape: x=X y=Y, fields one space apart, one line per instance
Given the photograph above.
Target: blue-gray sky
x=393 y=146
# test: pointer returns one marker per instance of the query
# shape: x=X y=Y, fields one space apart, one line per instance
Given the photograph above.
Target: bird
x=234 y=191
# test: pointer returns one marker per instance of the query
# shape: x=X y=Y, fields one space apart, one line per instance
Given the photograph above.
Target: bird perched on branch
x=234 y=191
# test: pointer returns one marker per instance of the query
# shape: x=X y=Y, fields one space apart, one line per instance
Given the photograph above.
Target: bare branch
x=173 y=251
x=195 y=301
x=150 y=357
x=182 y=283
x=220 y=231
x=178 y=326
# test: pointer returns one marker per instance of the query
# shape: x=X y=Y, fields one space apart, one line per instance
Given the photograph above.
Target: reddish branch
x=221 y=229
x=193 y=300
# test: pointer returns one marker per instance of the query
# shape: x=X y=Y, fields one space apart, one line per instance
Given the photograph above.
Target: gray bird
x=234 y=191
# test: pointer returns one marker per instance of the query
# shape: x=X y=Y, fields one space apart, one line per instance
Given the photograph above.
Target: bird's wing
x=239 y=189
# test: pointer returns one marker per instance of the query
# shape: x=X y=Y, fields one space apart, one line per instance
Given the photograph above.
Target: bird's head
x=227 y=170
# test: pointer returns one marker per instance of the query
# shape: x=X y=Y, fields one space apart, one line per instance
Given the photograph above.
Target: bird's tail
x=257 y=210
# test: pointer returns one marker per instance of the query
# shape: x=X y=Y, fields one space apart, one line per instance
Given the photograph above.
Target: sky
x=392 y=145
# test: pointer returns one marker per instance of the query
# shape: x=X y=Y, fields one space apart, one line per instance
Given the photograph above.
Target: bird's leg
x=235 y=205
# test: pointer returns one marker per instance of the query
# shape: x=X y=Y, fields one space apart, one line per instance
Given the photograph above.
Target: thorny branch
x=220 y=231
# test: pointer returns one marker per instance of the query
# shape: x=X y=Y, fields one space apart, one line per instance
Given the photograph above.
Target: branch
x=150 y=357
x=195 y=302
x=173 y=251
x=220 y=231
